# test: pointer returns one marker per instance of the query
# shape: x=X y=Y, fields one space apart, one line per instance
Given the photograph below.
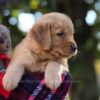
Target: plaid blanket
x=32 y=87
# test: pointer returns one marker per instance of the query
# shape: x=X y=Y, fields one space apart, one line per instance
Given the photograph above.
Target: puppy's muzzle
x=73 y=47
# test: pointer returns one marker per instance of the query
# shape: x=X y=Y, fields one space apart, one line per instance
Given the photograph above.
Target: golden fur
x=44 y=48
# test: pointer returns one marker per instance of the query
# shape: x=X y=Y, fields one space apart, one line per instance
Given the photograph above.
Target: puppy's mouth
x=69 y=54
x=65 y=54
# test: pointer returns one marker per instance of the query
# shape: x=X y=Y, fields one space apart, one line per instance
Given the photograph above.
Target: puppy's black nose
x=2 y=40
x=73 y=47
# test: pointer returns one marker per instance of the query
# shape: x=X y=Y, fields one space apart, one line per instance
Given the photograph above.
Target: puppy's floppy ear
x=41 y=34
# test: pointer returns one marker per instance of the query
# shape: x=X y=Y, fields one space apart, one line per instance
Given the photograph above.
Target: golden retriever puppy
x=47 y=47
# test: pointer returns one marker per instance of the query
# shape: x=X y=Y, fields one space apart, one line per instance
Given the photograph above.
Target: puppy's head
x=54 y=34
x=5 y=40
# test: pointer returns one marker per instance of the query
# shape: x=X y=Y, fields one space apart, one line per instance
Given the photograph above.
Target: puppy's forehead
x=54 y=15
x=60 y=21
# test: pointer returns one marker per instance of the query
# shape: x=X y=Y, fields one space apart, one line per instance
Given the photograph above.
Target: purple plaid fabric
x=32 y=87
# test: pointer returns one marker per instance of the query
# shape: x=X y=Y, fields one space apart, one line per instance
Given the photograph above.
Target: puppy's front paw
x=10 y=82
x=52 y=81
x=53 y=74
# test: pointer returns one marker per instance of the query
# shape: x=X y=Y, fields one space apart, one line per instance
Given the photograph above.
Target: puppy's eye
x=60 y=34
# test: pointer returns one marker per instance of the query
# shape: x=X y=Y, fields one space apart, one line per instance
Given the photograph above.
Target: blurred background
x=20 y=15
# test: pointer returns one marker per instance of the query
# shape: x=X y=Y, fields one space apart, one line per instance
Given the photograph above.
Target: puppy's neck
x=33 y=45
x=35 y=49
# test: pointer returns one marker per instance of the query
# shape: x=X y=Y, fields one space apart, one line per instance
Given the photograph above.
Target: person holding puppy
x=5 y=45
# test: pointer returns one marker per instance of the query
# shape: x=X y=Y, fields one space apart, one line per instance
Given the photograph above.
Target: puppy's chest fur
x=41 y=61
